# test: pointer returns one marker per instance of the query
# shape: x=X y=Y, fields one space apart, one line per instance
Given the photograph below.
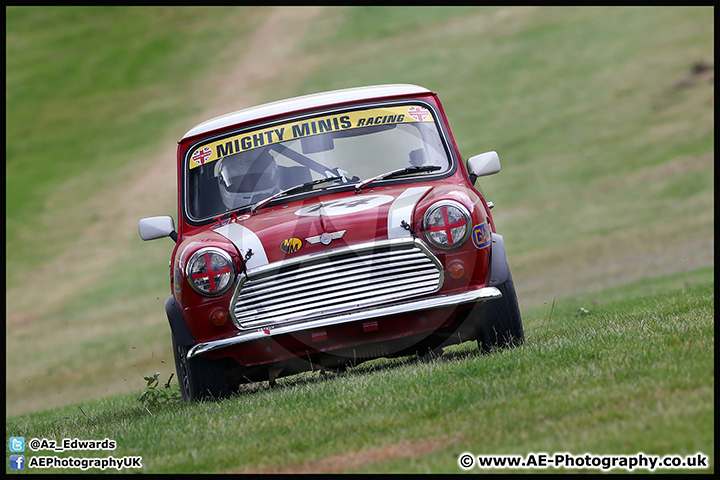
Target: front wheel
x=199 y=378
x=501 y=324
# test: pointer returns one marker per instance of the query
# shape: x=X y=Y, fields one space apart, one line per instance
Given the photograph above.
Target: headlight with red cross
x=210 y=271
x=447 y=224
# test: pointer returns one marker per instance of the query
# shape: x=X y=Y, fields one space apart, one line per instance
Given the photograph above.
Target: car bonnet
x=320 y=224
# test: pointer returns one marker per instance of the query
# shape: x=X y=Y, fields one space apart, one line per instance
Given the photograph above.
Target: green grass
x=89 y=91
x=633 y=375
x=605 y=200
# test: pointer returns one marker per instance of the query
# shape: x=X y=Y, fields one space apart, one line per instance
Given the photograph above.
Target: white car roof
x=303 y=102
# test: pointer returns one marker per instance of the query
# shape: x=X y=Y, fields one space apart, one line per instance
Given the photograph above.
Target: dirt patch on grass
x=699 y=72
x=672 y=168
x=353 y=460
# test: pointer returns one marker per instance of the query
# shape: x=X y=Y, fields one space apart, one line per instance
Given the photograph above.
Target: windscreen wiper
x=287 y=191
x=396 y=173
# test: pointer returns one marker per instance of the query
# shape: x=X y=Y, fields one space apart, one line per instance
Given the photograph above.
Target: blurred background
x=603 y=118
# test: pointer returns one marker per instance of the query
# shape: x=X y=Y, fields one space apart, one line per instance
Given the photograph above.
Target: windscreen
x=239 y=170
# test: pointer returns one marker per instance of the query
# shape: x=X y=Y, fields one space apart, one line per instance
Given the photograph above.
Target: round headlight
x=210 y=271
x=447 y=224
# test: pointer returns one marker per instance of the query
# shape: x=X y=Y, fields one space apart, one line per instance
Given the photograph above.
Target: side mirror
x=487 y=163
x=157 y=227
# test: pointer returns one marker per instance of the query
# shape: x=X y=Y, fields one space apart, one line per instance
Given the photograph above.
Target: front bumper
x=470 y=296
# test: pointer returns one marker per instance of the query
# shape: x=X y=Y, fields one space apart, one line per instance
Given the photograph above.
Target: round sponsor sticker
x=291 y=245
x=482 y=235
x=344 y=206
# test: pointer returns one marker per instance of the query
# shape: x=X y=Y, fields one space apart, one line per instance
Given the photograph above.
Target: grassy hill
x=603 y=119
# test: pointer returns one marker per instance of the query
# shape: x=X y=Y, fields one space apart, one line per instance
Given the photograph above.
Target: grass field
x=604 y=122
x=631 y=375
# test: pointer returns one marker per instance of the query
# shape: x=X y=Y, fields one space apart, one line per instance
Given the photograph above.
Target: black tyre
x=500 y=322
x=199 y=378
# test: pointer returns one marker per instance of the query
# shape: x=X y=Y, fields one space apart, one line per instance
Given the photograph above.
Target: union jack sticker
x=418 y=113
x=199 y=157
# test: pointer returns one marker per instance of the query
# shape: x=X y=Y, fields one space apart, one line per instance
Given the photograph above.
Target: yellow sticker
x=291 y=245
x=304 y=128
x=482 y=235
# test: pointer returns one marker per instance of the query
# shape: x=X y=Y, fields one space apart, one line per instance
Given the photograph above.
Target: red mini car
x=326 y=230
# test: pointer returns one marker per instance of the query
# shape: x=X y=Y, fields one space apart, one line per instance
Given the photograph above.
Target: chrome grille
x=341 y=280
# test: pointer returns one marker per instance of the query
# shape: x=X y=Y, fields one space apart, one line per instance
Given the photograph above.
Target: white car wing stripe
x=401 y=209
x=245 y=239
